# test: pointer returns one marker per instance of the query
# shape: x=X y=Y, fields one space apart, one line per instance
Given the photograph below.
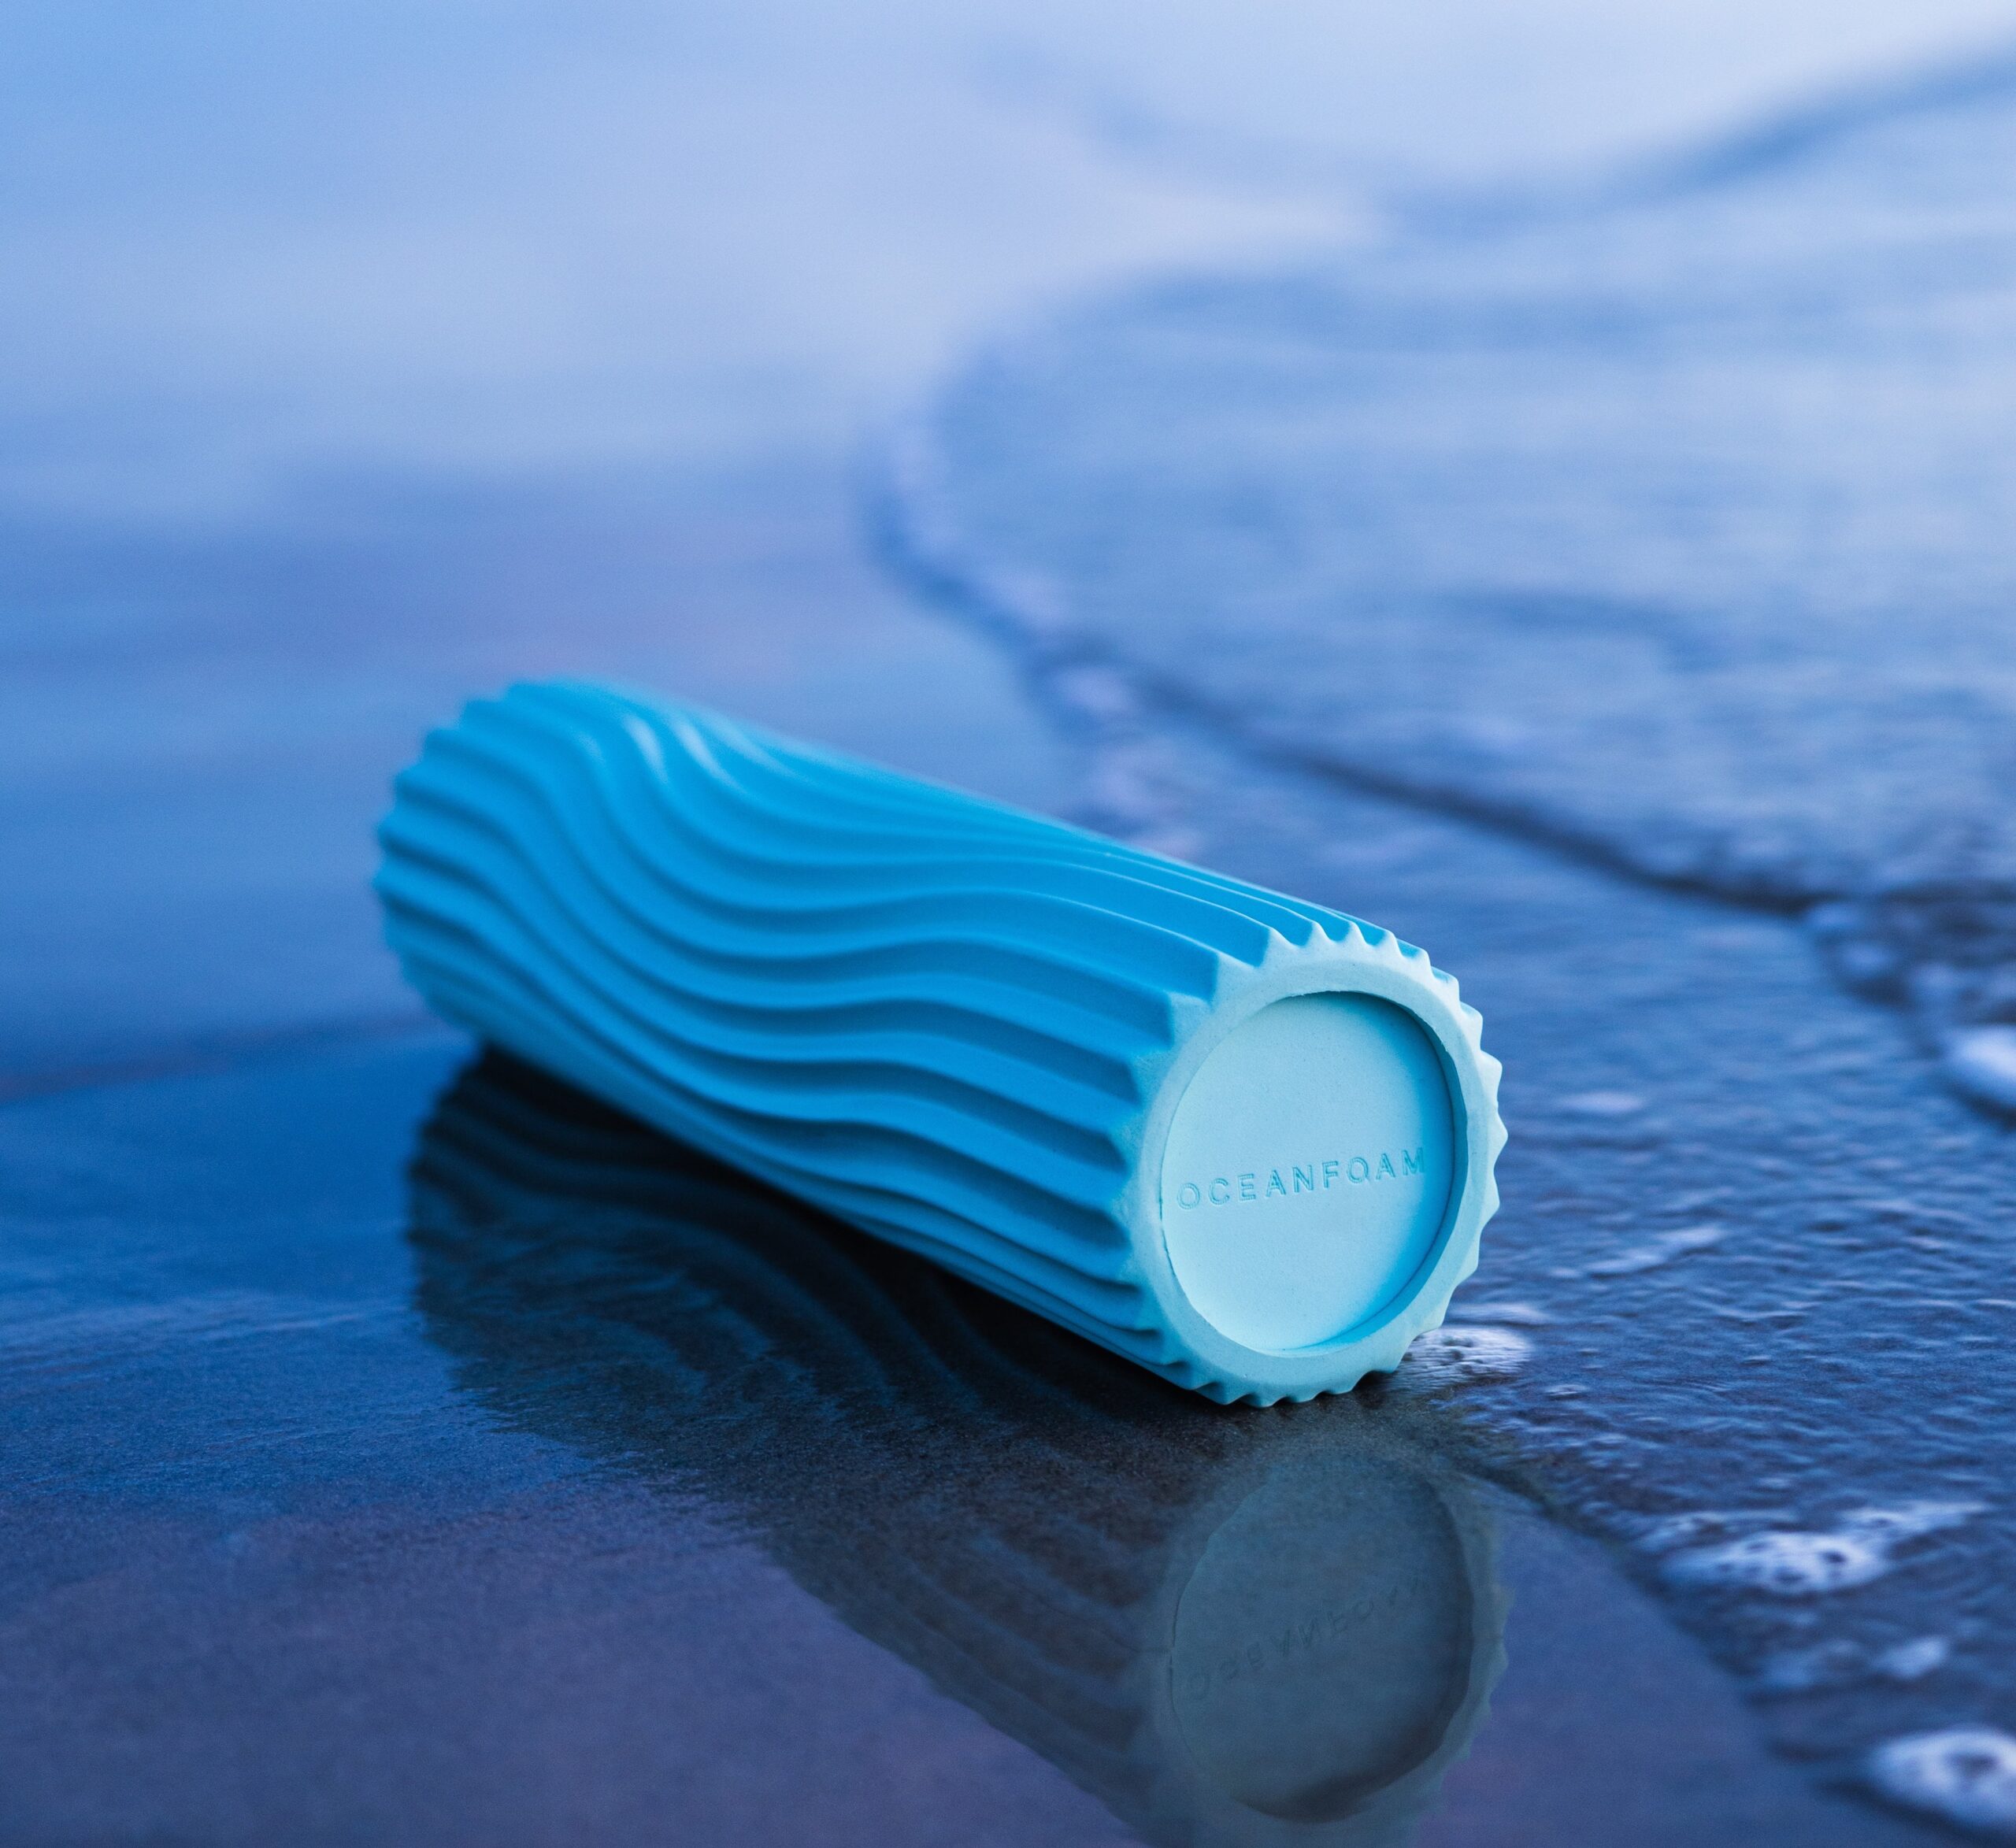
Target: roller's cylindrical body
x=1245 y=1141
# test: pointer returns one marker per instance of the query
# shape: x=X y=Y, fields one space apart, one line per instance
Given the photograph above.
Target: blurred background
x=357 y=357
x=1537 y=473
x=254 y=250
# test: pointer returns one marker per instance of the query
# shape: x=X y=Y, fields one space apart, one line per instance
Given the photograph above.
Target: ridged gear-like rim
x=1357 y=961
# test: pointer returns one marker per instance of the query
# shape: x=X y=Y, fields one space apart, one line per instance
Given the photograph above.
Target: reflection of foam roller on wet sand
x=1264 y=1632
x=1245 y=1141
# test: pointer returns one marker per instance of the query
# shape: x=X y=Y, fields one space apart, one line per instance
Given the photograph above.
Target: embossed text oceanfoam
x=1316 y=1177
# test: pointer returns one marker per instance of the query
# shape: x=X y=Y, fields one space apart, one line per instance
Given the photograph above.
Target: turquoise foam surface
x=1345 y=1217
x=972 y=1031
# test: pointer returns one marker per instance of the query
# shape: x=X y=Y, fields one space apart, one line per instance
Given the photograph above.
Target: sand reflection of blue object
x=1231 y=1631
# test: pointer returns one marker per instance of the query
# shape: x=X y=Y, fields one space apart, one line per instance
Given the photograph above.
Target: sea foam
x=1582 y=456
x=1966 y=1775
x=1799 y=1563
x=1461 y=1356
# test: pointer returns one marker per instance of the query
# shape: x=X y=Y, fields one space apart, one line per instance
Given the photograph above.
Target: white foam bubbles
x=1913 y=1660
x=1604 y=1103
x=1908 y=1519
x=1654 y=1252
x=1461 y=1356
x=1701 y=1526
x=1517 y=1315
x=1843 y=1664
x=1786 y=1565
x=1981 y=1061
x=1802 y=1563
x=1966 y=1775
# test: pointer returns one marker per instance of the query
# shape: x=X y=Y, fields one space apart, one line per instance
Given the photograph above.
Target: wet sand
x=380 y=1464
x=311 y=1538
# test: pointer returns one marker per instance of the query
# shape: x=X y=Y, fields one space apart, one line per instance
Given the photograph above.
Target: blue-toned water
x=1669 y=521
x=1600 y=579
x=1672 y=526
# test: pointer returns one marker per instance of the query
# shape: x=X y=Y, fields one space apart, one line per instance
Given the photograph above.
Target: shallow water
x=267 y=1430
x=1668 y=529
x=1752 y=1276
x=1668 y=521
x=340 y=1505
x=569 y=1486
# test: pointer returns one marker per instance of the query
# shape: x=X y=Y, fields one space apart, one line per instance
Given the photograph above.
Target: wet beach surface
x=399 y=1446
x=1657 y=530
x=576 y=1485
x=402 y=1446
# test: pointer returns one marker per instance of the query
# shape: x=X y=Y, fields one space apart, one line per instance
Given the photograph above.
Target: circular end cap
x=1308 y=1169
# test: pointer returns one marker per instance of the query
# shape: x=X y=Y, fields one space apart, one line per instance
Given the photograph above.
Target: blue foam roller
x=1245 y=1141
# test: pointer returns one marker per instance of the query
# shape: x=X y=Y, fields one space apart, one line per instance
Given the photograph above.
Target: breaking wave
x=1673 y=526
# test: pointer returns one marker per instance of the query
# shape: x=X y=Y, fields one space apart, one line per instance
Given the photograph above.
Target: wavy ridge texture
x=952 y=1024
